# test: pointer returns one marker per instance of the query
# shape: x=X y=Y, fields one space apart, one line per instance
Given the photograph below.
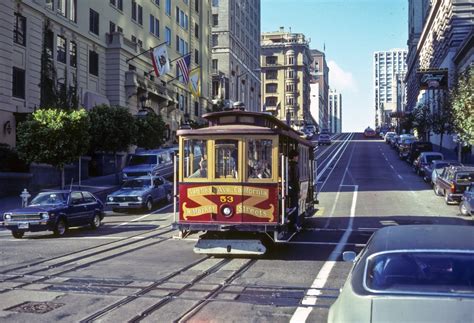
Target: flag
x=195 y=82
x=183 y=65
x=160 y=59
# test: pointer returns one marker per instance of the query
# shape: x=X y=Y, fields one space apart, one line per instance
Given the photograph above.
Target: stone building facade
x=98 y=44
x=285 y=61
x=319 y=72
x=235 y=66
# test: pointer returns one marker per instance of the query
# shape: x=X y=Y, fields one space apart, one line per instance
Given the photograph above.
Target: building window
x=291 y=60
x=196 y=30
x=61 y=49
x=117 y=3
x=112 y=27
x=215 y=20
x=93 y=21
x=215 y=40
x=62 y=10
x=196 y=5
x=215 y=3
x=157 y=2
x=168 y=7
x=93 y=63
x=18 y=83
x=72 y=54
x=271 y=88
x=50 y=4
x=271 y=75
x=196 y=56
x=19 y=29
x=49 y=42
x=168 y=36
x=271 y=101
x=119 y=29
x=137 y=13
x=271 y=60
x=154 y=26
x=215 y=66
x=73 y=10
x=196 y=109
x=181 y=18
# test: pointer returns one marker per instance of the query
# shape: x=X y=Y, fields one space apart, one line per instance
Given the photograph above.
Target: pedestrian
x=294 y=187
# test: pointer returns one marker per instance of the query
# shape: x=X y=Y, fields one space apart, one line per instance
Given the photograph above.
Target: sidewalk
x=100 y=186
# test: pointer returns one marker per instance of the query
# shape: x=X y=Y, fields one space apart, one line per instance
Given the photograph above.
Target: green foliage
x=112 y=128
x=422 y=120
x=406 y=122
x=462 y=102
x=54 y=137
x=150 y=131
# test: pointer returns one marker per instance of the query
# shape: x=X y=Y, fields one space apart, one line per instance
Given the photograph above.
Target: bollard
x=25 y=195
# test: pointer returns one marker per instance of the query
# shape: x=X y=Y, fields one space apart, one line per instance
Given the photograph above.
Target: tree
x=407 y=122
x=54 y=137
x=112 y=130
x=462 y=102
x=442 y=120
x=150 y=131
x=422 y=122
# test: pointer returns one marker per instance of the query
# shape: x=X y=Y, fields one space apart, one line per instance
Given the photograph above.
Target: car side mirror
x=349 y=256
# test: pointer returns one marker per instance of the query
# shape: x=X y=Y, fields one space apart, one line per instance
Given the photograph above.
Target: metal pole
x=144 y=52
x=175 y=186
x=80 y=167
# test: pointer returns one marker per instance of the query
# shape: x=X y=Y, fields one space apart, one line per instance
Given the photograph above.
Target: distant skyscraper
x=335 y=111
x=319 y=72
x=387 y=64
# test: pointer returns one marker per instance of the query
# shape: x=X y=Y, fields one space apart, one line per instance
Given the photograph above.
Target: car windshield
x=441 y=165
x=137 y=184
x=421 y=272
x=430 y=158
x=141 y=160
x=49 y=198
x=465 y=177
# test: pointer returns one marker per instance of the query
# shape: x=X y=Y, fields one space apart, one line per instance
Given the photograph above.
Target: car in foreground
x=140 y=193
x=55 y=211
x=324 y=139
x=453 y=181
x=466 y=207
x=425 y=159
x=433 y=170
x=410 y=273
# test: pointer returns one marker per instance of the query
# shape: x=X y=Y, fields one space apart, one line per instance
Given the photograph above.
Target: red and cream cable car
x=232 y=182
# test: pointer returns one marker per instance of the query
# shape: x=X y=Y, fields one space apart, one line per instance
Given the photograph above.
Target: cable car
x=232 y=182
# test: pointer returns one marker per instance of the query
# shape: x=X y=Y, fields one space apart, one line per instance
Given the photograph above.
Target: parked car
x=418 y=147
x=388 y=136
x=466 y=207
x=149 y=162
x=324 y=139
x=55 y=211
x=410 y=273
x=140 y=193
x=369 y=132
x=436 y=167
x=393 y=141
x=453 y=181
x=404 y=146
x=425 y=159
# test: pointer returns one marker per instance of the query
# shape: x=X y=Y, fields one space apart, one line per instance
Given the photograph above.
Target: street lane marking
x=301 y=314
x=400 y=176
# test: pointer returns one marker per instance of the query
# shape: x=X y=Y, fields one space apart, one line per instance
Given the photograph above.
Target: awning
x=92 y=99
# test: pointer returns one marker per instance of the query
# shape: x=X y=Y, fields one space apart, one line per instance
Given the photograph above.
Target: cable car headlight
x=227 y=210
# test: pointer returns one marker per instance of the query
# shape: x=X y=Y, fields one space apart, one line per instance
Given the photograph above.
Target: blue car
x=55 y=211
x=466 y=207
x=149 y=162
x=140 y=193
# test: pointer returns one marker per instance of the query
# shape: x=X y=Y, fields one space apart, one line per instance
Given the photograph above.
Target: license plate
x=123 y=204
x=23 y=225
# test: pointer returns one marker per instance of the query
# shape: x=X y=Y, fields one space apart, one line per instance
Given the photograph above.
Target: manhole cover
x=35 y=307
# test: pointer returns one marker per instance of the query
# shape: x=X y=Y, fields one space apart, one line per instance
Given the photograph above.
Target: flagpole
x=174 y=78
x=144 y=52
x=151 y=71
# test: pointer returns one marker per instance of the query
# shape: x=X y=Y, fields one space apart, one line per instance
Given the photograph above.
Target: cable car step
x=230 y=247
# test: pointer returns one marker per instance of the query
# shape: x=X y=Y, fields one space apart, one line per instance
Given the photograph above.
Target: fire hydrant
x=25 y=195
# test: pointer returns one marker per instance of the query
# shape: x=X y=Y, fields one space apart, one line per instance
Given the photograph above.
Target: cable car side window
x=195 y=158
x=259 y=153
x=226 y=158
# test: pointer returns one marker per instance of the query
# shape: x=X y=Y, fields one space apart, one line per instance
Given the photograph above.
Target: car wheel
x=17 y=234
x=149 y=205
x=96 y=221
x=436 y=190
x=169 y=197
x=60 y=228
x=446 y=197
x=117 y=210
x=463 y=209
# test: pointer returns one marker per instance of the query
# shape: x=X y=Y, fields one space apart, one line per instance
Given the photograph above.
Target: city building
x=319 y=72
x=335 y=111
x=236 y=53
x=101 y=48
x=285 y=61
x=386 y=66
x=444 y=50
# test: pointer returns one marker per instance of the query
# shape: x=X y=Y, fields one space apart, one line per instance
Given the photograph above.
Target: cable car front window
x=195 y=158
x=259 y=152
x=226 y=157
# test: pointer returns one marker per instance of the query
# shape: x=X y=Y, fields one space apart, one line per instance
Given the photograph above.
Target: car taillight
x=453 y=188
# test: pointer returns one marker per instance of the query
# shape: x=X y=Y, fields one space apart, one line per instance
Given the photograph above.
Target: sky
x=351 y=31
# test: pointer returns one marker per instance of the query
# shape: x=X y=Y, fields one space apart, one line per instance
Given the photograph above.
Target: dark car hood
x=129 y=192
x=139 y=168
x=37 y=209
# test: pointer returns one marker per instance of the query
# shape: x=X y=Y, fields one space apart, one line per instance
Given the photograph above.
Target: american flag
x=183 y=65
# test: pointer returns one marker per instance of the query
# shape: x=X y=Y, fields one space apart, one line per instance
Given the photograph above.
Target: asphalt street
x=134 y=268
